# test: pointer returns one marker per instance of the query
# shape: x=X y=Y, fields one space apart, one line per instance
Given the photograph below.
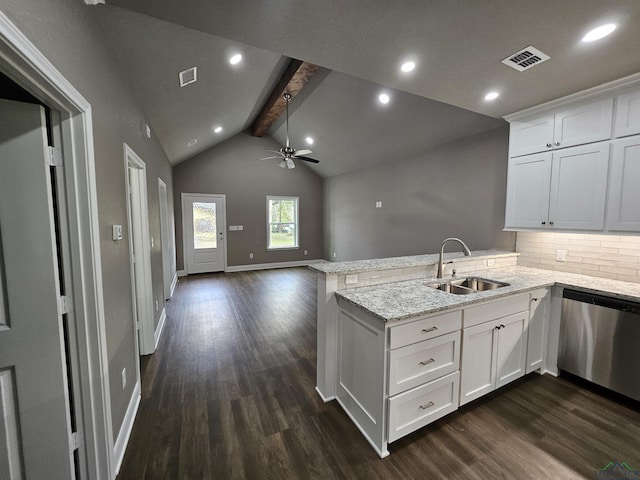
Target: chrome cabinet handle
x=427 y=330
x=427 y=362
x=557 y=144
x=426 y=405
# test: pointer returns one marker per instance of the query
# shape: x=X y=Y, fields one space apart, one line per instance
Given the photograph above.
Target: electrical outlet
x=251 y=255
x=124 y=378
x=305 y=252
x=561 y=255
x=151 y=242
x=335 y=254
x=491 y=262
x=378 y=204
x=351 y=279
x=157 y=305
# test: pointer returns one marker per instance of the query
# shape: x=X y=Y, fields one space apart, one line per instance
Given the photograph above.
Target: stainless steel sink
x=465 y=286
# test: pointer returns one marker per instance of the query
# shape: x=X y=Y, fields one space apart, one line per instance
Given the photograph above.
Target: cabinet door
x=511 y=348
x=531 y=136
x=579 y=187
x=624 y=191
x=627 y=115
x=583 y=124
x=536 y=329
x=528 y=187
x=478 y=373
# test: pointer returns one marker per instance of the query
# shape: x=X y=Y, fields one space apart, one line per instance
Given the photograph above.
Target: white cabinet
x=511 y=348
x=565 y=189
x=624 y=192
x=627 y=120
x=538 y=323
x=575 y=125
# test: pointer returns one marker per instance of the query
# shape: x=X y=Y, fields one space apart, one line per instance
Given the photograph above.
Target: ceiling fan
x=287 y=153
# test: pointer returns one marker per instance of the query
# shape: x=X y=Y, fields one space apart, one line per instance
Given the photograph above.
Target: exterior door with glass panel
x=203 y=232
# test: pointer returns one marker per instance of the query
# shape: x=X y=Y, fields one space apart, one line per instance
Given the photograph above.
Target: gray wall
x=68 y=34
x=230 y=168
x=457 y=189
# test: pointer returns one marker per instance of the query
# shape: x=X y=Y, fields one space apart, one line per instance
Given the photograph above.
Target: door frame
x=165 y=239
x=21 y=61
x=221 y=196
x=140 y=246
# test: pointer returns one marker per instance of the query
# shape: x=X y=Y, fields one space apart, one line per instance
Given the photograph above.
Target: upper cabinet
x=569 y=168
x=572 y=126
x=627 y=114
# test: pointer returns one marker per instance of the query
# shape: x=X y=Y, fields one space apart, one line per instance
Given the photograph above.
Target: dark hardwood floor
x=230 y=394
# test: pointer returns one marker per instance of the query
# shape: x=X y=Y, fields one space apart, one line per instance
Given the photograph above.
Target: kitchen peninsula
x=398 y=354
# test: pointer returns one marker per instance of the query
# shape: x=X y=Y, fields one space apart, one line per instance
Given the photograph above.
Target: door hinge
x=65 y=305
x=77 y=440
x=55 y=156
x=133 y=258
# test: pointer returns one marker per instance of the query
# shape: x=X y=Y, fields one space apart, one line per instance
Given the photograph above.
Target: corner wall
x=454 y=190
x=231 y=168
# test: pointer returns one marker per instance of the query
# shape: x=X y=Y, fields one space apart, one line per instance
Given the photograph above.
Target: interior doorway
x=203 y=229
x=140 y=252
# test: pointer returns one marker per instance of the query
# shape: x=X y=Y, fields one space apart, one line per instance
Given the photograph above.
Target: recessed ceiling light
x=599 y=32
x=407 y=67
x=235 y=59
x=491 y=96
x=218 y=129
x=309 y=140
x=192 y=142
x=384 y=98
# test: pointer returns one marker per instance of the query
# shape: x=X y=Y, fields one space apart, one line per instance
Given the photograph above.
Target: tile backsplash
x=609 y=256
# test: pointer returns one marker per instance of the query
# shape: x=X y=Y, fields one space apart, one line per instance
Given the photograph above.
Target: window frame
x=296 y=222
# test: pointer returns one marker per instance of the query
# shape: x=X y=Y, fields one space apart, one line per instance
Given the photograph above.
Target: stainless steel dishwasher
x=600 y=341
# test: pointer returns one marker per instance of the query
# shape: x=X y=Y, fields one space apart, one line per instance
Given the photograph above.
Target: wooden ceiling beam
x=295 y=76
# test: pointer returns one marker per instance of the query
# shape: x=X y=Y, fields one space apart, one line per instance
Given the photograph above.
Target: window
x=282 y=222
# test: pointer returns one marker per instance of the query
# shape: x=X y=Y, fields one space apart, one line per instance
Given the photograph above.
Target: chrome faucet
x=465 y=250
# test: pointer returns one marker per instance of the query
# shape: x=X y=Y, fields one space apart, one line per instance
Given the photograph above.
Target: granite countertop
x=403 y=300
x=358 y=266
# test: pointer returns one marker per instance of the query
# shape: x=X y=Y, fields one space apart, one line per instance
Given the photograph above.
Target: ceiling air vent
x=525 y=59
x=188 y=76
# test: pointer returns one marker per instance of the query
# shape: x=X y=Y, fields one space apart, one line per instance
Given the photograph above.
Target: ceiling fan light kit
x=287 y=153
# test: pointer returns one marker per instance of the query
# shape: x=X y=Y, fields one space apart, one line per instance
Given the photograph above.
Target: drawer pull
x=427 y=362
x=426 y=405
x=427 y=330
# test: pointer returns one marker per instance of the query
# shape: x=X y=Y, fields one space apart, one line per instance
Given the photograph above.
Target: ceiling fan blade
x=302 y=152
x=267 y=158
x=307 y=159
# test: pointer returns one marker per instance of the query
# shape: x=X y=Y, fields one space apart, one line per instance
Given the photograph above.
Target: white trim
x=160 y=327
x=93 y=2
x=583 y=95
x=181 y=273
x=25 y=64
x=127 y=426
x=325 y=399
x=144 y=282
x=268 y=266
x=381 y=453
x=296 y=222
x=174 y=282
x=165 y=238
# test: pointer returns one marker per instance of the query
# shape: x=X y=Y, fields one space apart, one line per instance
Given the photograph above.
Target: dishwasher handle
x=602 y=301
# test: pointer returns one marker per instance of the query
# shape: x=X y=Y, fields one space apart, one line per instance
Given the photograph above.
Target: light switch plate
x=351 y=279
x=117 y=232
x=561 y=255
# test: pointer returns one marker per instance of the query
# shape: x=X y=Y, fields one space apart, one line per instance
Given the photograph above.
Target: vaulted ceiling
x=457 y=47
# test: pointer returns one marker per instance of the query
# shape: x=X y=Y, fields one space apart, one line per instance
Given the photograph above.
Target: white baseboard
x=267 y=266
x=181 y=273
x=125 y=429
x=174 y=282
x=325 y=399
x=159 y=328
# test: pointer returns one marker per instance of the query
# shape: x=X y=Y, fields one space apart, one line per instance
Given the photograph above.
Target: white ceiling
x=457 y=45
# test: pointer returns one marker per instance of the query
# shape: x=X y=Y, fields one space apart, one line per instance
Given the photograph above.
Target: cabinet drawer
x=416 y=408
x=424 y=329
x=492 y=310
x=422 y=362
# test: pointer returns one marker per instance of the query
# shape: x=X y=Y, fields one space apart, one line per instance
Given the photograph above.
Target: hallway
x=230 y=394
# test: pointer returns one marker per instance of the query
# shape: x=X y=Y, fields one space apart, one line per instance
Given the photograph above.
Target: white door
x=203 y=218
x=478 y=361
x=165 y=237
x=34 y=411
x=511 y=356
x=528 y=185
x=579 y=187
